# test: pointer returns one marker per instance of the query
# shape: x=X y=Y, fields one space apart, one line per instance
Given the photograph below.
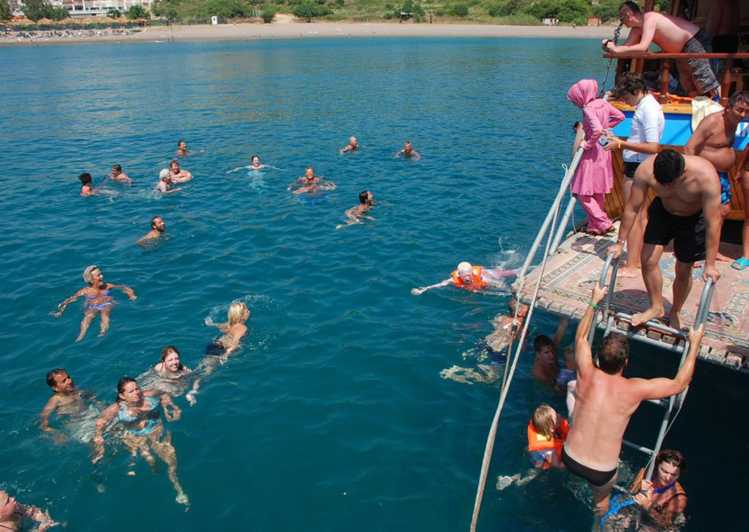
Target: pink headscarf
x=583 y=92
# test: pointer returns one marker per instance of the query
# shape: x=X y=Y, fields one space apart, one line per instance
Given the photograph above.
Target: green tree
x=607 y=10
x=57 y=13
x=36 y=9
x=166 y=9
x=458 y=10
x=574 y=11
x=309 y=10
x=114 y=13
x=5 y=12
x=136 y=13
x=507 y=8
x=268 y=13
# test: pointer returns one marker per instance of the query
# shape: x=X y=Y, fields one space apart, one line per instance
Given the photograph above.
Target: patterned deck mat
x=571 y=273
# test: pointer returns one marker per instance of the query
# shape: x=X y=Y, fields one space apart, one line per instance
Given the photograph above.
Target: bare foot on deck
x=642 y=317
x=674 y=321
x=628 y=272
x=722 y=258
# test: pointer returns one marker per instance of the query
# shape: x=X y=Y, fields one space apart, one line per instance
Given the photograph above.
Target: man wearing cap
x=469 y=277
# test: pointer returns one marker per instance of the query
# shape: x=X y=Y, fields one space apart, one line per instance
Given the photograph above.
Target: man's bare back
x=669 y=33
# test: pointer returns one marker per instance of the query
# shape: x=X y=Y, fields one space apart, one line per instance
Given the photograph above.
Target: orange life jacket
x=477 y=280
x=543 y=449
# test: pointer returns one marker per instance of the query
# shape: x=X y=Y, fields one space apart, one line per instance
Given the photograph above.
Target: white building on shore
x=88 y=8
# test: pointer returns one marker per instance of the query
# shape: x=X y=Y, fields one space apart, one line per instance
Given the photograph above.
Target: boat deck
x=571 y=272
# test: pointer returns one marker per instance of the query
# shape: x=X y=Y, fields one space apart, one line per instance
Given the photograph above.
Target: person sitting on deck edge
x=606 y=400
x=672 y=35
x=687 y=199
x=468 y=277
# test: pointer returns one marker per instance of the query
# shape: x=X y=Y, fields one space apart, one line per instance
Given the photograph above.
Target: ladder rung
x=640 y=448
x=653 y=325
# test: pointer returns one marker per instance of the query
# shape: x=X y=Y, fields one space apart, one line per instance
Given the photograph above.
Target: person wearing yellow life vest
x=469 y=277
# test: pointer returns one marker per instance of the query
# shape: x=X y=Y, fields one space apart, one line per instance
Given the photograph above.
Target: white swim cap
x=164 y=173
x=88 y=271
x=465 y=268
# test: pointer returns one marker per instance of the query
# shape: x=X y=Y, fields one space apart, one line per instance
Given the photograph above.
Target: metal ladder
x=673 y=404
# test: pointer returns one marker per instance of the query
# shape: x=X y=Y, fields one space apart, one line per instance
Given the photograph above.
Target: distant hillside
x=488 y=11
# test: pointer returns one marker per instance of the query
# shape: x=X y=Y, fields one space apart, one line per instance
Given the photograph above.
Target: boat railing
x=728 y=72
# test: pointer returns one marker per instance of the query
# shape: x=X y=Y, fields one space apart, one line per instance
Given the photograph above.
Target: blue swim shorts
x=725 y=188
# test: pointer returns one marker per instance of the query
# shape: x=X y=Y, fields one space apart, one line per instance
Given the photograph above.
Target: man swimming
x=118 y=175
x=67 y=400
x=353 y=145
x=181 y=148
x=255 y=163
x=178 y=175
x=310 y=183
x=87 y=185
x=358 y=213
x=472 y=278
x=408 y=152
x=158 y=227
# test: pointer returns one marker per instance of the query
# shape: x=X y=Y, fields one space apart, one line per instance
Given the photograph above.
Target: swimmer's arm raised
x=583 y=355
x=62 y=306
x=419 y=291
x=107 y=415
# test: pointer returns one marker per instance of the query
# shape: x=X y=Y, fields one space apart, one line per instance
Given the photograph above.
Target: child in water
x=594 y=177
x=547 y=431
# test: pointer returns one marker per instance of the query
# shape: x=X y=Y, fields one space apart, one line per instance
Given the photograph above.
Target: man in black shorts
x=687 y=211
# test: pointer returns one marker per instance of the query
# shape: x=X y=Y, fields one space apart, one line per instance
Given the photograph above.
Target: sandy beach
x=290 y=29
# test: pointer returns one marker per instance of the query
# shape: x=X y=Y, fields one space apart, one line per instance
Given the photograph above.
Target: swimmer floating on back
x=138 y=412
x=358 y=213
x=158 y=227
x=310 y=183
x=98 y=300
x=468 y=277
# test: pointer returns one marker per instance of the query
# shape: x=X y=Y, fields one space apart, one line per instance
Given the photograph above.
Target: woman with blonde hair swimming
x=98 y=300
x=138 y=412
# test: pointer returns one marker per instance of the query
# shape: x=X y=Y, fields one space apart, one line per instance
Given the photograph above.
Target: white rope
x=507 y=377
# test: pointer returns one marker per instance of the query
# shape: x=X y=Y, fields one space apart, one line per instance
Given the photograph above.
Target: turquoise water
x=333 y=416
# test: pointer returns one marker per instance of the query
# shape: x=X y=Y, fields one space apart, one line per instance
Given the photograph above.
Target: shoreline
x=301 y=30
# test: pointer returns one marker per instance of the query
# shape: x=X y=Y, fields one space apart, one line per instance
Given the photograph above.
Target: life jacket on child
x=477 y=280
x=542 y=450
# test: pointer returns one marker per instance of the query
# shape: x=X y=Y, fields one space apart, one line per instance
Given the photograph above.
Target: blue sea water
x=333 y=416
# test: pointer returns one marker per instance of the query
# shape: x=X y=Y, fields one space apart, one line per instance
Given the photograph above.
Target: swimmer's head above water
x=92 y=274
x=128 y=390
x=8 y=506
x=465 y=271
x=157 y=224
x=174 y=166
x=181 y=146
x=171 y=359
x=59 y=380
x=85 y=179
x=366 y=198
x=238 y=313
x=255 y=160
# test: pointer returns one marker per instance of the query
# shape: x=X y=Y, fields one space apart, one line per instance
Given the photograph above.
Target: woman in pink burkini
x=594 y=177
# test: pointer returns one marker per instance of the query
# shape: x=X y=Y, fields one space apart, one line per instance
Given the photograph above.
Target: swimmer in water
x=166 y=184
x=13 y=513
x=181 y=148
x=408 y=152
x=139 y=413
x=178 y=175
x=98 y=300
x=353 y=145
x=472 y=278
x=234 y=330
x=67 y=400
x=357 y=214
x=118 y=175
x=172 y=369
x=255 y=163
x=87 y=184
x=158 y=227
x=310 y=183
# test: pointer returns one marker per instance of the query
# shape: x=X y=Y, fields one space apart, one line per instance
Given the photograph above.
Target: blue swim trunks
x=725 y=188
